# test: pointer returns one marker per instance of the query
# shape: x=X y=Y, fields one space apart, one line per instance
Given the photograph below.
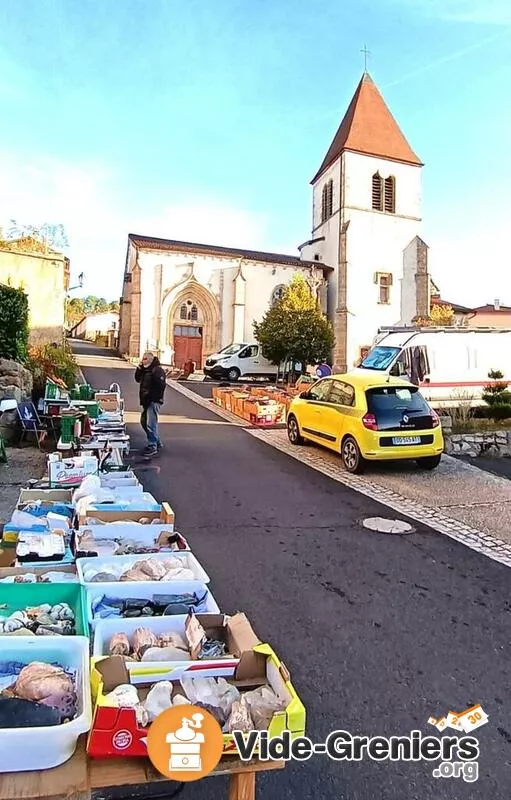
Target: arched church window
x=278 y=293
x=377 y=196
x=390 y=195
x=182 y=312
x=194 y=313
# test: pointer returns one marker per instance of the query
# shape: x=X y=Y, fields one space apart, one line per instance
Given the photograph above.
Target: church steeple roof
x=368 y=127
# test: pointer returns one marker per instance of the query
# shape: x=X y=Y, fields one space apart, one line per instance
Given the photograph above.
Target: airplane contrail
x=450 y=57
x=427 y=67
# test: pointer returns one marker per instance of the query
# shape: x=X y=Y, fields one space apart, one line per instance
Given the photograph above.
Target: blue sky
x=206 y=119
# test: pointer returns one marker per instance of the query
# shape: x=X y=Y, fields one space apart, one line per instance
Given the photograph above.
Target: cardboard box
x=166 y=515
x=108 y=401
x=235 y=632
x=71 y=471
x=45 y=496
x=115 y=732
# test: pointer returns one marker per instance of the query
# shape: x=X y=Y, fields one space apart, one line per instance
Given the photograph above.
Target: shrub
x=55 y=361
x=13 y=323
x=497 y=396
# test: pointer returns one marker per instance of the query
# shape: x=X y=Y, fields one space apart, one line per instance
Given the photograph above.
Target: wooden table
x=82 y=778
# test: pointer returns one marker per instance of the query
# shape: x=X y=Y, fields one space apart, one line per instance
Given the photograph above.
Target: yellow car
x=366 y=418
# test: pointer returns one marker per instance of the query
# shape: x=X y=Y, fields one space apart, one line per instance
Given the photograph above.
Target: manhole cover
x=381 y=525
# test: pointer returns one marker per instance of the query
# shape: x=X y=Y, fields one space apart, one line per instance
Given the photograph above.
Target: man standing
x=151 y=377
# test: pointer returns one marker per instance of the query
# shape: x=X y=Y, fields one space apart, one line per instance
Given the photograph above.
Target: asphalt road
x=379 y=632
x=497 y=466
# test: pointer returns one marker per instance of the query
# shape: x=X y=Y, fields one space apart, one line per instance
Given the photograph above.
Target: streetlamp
x=79 y=285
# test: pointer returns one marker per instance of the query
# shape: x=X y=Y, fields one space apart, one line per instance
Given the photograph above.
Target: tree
x=497 y=396
x=294 y=328
x=74 y=310
x=52 y=236
x=79 y=307
x=94 y=305
x=442 y=316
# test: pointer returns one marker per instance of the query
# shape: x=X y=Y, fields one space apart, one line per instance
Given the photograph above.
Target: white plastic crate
x=24 y=749
x=123 y=563
x=148 y=534
x=224 y=666
x=145 y=591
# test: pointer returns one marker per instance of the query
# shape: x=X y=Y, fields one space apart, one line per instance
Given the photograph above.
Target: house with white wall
x=96 y=325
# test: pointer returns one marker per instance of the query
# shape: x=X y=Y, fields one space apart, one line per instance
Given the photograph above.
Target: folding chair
x=31 y=423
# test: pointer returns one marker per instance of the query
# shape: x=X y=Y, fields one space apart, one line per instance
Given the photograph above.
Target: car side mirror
x=305 y=395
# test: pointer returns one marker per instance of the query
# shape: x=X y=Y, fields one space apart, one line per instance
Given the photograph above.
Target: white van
x=239 y=361
x=450 y=365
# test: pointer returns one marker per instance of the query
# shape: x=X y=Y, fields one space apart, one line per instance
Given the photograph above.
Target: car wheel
x=233 y=374
x=429 y=462
x=352 y=457
x=293 y=431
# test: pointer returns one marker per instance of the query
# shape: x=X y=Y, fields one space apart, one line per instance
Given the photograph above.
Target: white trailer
x=450 y=365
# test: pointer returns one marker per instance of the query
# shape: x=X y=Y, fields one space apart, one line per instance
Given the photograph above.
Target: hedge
x=13 y=323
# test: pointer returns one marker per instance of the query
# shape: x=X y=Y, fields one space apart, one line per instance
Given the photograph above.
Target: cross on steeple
x=366 y=53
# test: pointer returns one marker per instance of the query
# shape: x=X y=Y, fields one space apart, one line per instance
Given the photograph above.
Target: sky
x=205 y=120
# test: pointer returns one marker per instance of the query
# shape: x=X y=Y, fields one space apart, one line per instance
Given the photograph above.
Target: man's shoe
x=150 y=450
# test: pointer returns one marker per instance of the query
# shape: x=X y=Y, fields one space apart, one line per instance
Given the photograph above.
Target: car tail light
x=369 y=422
x=435 y=419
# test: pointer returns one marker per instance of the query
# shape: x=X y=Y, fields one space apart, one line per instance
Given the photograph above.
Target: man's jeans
x=149 y=422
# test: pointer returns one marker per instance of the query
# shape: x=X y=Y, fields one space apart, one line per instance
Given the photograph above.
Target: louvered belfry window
x=377 y=196
x=390 y=195
x=327 y=198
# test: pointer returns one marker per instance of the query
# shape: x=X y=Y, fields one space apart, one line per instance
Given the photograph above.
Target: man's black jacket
x=152 y=382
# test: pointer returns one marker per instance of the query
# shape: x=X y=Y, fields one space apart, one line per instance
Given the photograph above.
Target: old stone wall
x=15 y=380
x=496 y=444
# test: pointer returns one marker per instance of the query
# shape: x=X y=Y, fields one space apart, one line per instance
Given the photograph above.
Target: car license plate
x=406 y=440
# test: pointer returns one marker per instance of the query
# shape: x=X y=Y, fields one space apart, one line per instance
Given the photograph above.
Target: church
x=364 y=260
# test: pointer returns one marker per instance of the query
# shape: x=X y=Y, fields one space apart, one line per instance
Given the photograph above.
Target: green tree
x=74 y=311
x=93 y=304
x=497 y=396
x=294 y=328
x=78 y=307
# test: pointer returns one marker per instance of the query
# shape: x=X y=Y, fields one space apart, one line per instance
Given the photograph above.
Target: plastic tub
x=148 y=534
x=106 y=628
x=24 y=749
x=17 y=596
x=126 y=562
x=145 y=591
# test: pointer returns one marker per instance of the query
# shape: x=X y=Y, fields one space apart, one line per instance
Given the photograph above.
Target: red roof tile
x=368 y=127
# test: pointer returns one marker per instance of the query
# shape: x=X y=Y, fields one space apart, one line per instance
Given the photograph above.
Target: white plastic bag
x=90 y=486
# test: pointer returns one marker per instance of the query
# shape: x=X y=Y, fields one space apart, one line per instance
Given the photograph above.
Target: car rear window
x=389 y=403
